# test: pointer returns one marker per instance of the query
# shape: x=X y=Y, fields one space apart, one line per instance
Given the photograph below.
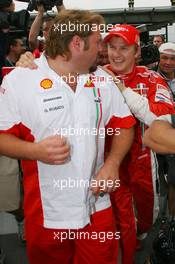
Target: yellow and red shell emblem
x=46 y=84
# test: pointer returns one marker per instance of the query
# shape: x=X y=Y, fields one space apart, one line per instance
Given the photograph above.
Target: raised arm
x=35 y=28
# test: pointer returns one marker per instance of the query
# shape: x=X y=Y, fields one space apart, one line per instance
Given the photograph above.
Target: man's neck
x=169 y=76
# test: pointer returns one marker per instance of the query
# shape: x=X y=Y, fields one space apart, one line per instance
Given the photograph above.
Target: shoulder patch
x=146 y=73
x=163 y=95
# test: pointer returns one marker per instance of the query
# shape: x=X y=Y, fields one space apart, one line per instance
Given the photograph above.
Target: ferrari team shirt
x=35 y=104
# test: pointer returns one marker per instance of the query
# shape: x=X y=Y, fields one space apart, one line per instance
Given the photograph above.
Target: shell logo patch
x=89 y=84
x=46 y=84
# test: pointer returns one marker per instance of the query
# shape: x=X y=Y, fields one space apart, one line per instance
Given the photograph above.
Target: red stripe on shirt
x=121 y=122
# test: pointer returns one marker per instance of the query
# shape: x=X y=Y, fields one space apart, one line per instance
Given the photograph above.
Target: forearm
x=143 y=108
x=34 y=31
x=14 y=147
x=120 y=146
x=160 y=137
x=139 y=106
x=161 y=149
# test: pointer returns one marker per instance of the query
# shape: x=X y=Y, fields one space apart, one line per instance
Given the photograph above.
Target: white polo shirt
x=35 y=104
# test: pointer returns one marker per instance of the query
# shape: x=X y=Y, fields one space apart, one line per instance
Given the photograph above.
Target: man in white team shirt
x=52 y=118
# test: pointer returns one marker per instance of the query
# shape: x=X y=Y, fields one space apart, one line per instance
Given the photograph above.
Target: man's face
x=167 y=63
x=10 y=8
x=103 y=55
x=157 y=41
x=122 y=57
x=47 y=25
x=19 y=47
x=88 y=60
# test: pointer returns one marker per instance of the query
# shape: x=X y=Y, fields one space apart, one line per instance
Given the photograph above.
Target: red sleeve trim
x=14 y=130
x=20 y=131
x=121 y=122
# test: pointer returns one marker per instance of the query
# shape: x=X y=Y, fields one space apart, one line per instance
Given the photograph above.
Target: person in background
x=166 y=69
x=167 y=65
x=161 y=138
x=5 y=6
x=9 y=190
x=161 y=135
x=46 y=23
x=14 y=50
x=158 y=40
x=9 y=169
x=102 y=58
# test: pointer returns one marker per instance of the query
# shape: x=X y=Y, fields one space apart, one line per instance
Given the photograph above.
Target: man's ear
x=77 y=43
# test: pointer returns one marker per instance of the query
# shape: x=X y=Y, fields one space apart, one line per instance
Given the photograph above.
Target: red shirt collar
x=125 y=77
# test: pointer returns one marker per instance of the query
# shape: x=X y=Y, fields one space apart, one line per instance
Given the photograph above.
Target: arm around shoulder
x=160 y=137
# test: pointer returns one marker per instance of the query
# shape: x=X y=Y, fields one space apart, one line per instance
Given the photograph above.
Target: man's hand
x=116 y=80
x=53 y=150
x=26 y=60
x=106 y=180
x=40 y=9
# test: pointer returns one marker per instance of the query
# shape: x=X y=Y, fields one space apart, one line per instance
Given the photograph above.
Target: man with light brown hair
x=55 y=125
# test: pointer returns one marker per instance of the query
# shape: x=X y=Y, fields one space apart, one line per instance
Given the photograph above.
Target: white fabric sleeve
x=164 y=118
x=119 y=108
x=139 y=106
x=9 y=114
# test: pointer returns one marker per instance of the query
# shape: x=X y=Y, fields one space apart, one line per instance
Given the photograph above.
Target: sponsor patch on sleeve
x=163 y=95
